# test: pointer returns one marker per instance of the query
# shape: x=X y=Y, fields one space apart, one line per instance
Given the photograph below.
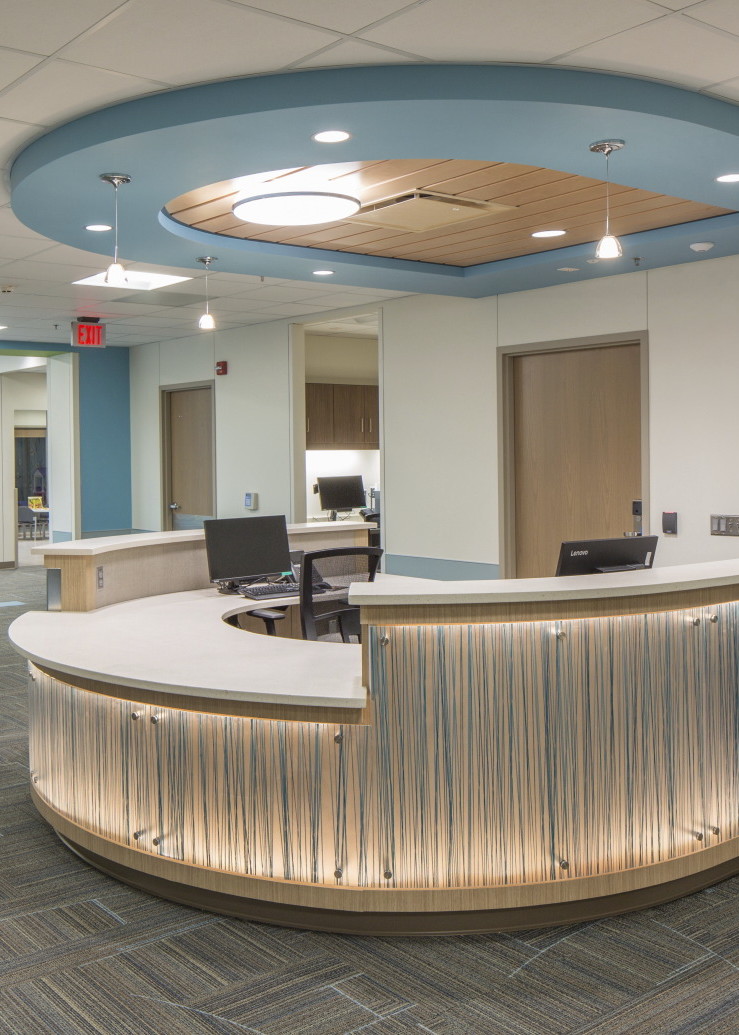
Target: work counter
x=495 y=755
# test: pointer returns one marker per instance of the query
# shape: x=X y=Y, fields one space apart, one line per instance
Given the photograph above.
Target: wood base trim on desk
x=545 y=610
x=215 y=705
x=395 y=911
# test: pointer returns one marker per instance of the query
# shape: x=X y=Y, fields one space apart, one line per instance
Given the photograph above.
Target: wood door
x=371 y=395
x=319 y=416
x=349 y=419
x=576 y=449
x=189 y=460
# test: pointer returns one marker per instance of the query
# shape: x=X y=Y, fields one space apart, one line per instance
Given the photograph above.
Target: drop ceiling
x=64 y=58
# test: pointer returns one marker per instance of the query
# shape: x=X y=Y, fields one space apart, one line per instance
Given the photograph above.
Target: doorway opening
x=188 y=438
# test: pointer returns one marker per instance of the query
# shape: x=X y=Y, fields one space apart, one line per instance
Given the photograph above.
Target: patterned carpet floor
x=81 y=953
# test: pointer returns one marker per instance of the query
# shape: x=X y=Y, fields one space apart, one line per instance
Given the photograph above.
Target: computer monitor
x=246 y=549
x=598 y=556
x=343 y=492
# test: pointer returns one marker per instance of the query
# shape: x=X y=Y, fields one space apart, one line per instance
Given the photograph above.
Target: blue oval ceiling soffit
x=173 y=142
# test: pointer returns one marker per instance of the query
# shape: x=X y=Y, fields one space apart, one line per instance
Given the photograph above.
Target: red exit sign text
x=88 y=335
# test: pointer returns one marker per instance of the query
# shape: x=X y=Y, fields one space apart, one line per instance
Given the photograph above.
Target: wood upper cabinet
x=342 y=416
x=319 y=416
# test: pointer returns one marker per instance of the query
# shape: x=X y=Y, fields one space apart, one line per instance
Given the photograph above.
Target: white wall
x=438 y=388
x=253 y=417
x=440 y=391
x=340 y=359
x=62 y=447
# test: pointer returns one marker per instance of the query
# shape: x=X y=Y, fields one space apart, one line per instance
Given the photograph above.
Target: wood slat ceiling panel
x=543 y=199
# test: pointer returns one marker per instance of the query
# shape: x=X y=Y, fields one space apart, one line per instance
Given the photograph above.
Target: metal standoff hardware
x=154 y=719
x=561 y=634
x=713 y=618
x=135 y=715
x=387 y=874
x=715 y=830
x=338 y=738
x=338 y=873
x=138 y=834
x=699 y=836
x=384 y=640
x=696 y=621
x=563 y=864
x=157 y=840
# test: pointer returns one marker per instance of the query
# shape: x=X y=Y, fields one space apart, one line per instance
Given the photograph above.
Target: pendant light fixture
x=115 y=275
x=609 y=247
x=206 y=321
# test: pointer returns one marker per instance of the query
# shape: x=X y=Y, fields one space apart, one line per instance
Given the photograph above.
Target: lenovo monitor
x=599 y=556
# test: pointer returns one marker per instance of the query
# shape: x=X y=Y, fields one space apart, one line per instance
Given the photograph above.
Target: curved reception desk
x=496 y=755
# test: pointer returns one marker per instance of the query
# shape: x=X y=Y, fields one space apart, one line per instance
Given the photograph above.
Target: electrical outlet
x=101 y=581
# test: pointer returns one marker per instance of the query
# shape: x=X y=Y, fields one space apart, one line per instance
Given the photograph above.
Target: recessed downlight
x=3 y=327
x=323 y=273
x=98 y=228
x=549 y=233
x=568 y=269
x=728 y=178
x=331 y=136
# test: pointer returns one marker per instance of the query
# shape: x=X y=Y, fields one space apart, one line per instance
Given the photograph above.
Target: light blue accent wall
x=105 y=439
x=438 y=568
x=105 y=434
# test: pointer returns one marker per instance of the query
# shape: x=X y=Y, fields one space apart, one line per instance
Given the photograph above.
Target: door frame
x=165 y=395
x=506 y=464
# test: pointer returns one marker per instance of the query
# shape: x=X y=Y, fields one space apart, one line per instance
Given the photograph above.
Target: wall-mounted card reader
x=669 y=522
x=251 y=501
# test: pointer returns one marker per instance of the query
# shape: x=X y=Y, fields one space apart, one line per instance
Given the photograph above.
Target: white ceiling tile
x=21 y=247
x=220 y=41
x=728 y=91
x=723 y=14
x=45 y=25
x=675 y=5
x=14 y=63
x=497 y=30
x=344 y=17
x=13 y=135
x=353 y=52
x=66 y=255
x=674 y=48
x=61 y=90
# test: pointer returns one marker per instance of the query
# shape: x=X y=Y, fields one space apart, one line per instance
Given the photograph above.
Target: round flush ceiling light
x=295 y=208
x=98 y=228
x=331 y=136
x=548 y=233
x=323 y=273
x=728 y=178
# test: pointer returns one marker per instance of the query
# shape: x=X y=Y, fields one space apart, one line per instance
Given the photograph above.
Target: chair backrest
x=339 y=568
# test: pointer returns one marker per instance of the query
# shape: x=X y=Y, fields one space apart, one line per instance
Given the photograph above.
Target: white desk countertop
x=109 y=543
x=403 y=591
x=178 y=643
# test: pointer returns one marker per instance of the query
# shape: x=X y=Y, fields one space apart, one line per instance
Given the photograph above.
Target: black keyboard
x=269 y=589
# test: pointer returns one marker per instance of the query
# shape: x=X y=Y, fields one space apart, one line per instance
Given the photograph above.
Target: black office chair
x=327 y=614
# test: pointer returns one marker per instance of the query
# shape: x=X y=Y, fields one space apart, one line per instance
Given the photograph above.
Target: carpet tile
x=81 y=954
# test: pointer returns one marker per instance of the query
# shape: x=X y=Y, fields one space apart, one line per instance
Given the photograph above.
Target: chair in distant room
x=326 y=614
x=26 y=522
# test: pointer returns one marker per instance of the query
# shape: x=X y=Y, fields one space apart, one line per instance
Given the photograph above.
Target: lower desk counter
x=509 y=767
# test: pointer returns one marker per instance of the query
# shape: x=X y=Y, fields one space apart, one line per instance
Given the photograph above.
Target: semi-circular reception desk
x=527 y=752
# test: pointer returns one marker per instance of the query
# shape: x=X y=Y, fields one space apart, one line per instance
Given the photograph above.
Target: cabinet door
x=371 y=395
x=319 y=416
x=349 y=419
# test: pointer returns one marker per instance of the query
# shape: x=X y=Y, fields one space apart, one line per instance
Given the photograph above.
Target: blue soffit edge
x=440 y=568
x=678 y=141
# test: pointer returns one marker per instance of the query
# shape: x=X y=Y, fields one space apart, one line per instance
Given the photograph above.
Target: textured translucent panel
x=496 y=753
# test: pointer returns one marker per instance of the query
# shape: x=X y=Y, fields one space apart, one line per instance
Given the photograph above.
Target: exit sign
x=88 y=335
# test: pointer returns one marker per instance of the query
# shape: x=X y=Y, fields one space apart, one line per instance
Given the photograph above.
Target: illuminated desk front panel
x=504 y=773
